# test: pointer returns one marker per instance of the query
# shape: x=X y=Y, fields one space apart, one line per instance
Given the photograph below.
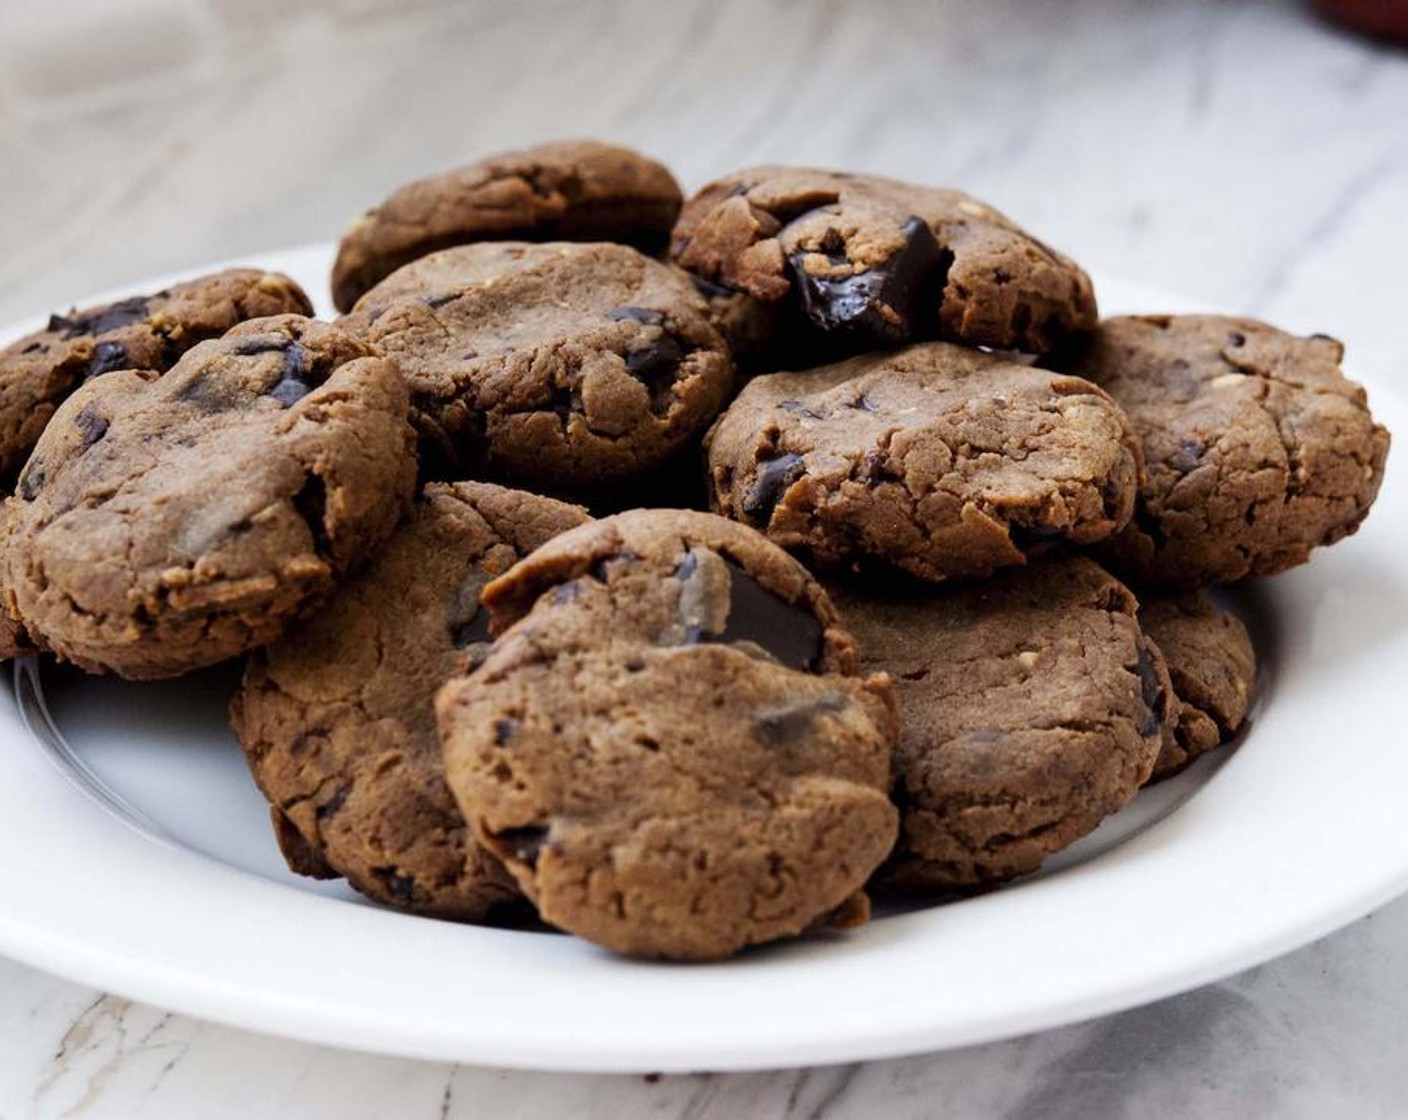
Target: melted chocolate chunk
x=788 y=632
x=1152 y=693
x=107 y=356
x=121 y=314
x=891 y=303
x=786 y=724
x=311 y=503
x=293 y=383
x=92 y=423
x=473 y=632
x=774 y=477
x=646 y=315
x=402 y=888
x=657 y=366
x=522 y=844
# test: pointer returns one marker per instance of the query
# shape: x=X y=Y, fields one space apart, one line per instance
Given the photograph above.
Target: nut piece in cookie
x=143 y=332
x=1258 y=448
x=1213 y=668
x=562 y=366
x=871 y=261
x=569 y=190
x=337 y=721
x=167 y=523
x=1032 y=708
x=667 y=746
x=940 y=460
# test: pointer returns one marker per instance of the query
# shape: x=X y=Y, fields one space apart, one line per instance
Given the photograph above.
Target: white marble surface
x=1234 y=151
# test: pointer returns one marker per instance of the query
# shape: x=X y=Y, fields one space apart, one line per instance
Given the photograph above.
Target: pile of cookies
x=947 y=613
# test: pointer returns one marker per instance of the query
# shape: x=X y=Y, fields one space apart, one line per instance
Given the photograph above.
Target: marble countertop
x=1237 y=152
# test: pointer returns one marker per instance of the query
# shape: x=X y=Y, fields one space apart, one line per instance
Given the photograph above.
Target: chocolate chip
x=473 y=632
x=311 y=504
x=1236 y=338
x=1152 y=693
x=92 y=423
x=121 y=314
x=566 y=593
x=261 y=344
x=646 y=315
x=657 y=366
x=786 y=724
x=292 y=385
x=34 y=347
x=32 y=481
x=756 y=616
x=1187 y=457
x=522 y=844
x=401 y=887
x=797 y=408
x=710 y=290
x=333 y=803
x=107 y=356
x=863 y=404
x=892 y=302
x=439 y=301
x=773 y=478
x=503 y=730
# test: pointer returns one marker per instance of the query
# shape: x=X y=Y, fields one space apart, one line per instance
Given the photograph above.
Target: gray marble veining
x=1237 y=152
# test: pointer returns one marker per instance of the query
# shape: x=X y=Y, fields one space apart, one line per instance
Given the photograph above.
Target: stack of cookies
x=682 y=570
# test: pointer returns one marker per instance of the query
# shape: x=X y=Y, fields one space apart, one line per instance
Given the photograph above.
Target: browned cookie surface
x=1258 y=448
x=937 y=459
x=563 y=366
x=667 y=747
x=877 y=261
x=165 y=523
x=1031 y=708
x=337 y=720
x=1212 y=664
x=39 y=371
x=570 y=190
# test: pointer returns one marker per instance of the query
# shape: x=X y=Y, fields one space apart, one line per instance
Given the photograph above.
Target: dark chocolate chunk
x=892 y=302
x=657 y=366
x=473 y=632
x=646 y=315
x=522 y=844
x=710 y=290
x=789 y=632
x=774 y=477
x=121 y=314
x=439 y=301
x=1152 y=693
x=797 y=408
x=402 y=888
x=503 y=730
x=31 y=481
x=107 y=356
x=786 y=724
x=293 y=383
x=334 y=803
x=1236 y=338
x=1187 y=457
x=565 y=593
x=92 y=423
x=262 y=344
x=33 y=347
x=311 y=503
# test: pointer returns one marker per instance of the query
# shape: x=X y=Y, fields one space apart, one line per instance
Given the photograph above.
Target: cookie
x=937 y=459
x=1213 y=668
x=571 y=190
x=667 y=746
x=143 y=332
x=1033 y=707
x=1258 y=448
x=168 y=522
x=336 y=718
x=14 y=639
x=869 y=261
x=561 y=366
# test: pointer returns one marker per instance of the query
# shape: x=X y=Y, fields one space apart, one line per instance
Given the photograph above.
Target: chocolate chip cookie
x=667 y=746
x=336 y=718
x=14 y=639
x=1258 y=448
x=168 y=522
x=143 y=332
x=571 y=190
x=940 y=460
x=564 y=366
x=1032 y=708
x=869 y=261
x=1213 y=668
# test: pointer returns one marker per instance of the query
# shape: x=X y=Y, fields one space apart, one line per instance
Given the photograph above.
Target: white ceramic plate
x=137 y=858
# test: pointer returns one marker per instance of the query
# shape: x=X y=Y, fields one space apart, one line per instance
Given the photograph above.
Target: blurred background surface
x=1239 y=152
